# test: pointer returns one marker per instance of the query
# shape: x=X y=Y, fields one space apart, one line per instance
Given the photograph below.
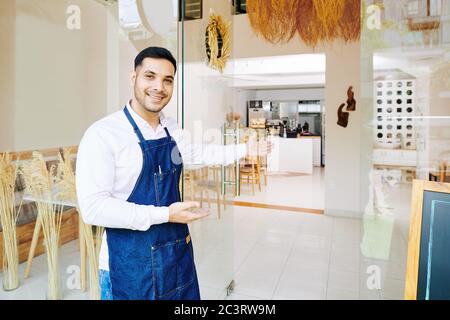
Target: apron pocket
x=163 y=183
x=173 y=267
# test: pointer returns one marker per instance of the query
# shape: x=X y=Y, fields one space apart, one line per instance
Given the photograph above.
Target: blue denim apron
x=157 y=264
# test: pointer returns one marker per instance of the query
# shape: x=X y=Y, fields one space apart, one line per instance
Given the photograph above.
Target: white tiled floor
x=317 y=257
x=285 y=190
x=34 y=288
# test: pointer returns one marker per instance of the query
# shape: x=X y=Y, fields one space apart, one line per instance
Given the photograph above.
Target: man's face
x=153 y=83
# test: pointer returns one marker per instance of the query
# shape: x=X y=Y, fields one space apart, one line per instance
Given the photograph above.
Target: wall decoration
x=275 y=21
x=218 y=43
x=329 y=12
x=351 y=102
x=342 y=116
x=350 y=22
x=314 y=20
x=309 y=28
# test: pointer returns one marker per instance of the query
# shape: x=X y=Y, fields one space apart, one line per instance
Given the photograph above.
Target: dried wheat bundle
x=94 y=250
x=350 y=22
x=274 y=20
x=8 y=219
x=65 y=178
x=309 y=27
x=329 y=12
x=39 y=184
x=66 y=191
x=218 y=28
x=99 y=231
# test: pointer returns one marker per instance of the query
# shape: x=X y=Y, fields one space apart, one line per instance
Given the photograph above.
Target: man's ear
x=133 y=78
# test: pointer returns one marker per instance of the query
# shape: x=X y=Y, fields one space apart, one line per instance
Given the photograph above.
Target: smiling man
x=128 y=172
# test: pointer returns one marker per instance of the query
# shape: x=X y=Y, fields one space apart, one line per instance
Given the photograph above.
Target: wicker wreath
x=218 y=43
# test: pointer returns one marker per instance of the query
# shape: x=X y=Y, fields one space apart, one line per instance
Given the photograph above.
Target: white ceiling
x=281 y=72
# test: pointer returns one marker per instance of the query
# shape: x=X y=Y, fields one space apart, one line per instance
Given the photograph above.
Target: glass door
x=65 y=65
x=70 y=64
x=60 y=73
x=204 y=100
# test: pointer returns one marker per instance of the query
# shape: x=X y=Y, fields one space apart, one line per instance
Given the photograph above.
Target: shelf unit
x=394 y=137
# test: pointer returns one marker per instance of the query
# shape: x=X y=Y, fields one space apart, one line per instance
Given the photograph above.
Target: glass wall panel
x=405 y=63
x=65 y=65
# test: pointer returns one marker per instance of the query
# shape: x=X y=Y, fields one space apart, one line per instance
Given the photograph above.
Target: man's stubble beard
x=141 y=101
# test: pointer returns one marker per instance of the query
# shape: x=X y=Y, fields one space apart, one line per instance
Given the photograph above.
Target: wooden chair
x=263 y=168
x=188 y=179
x=443 y=166
x=251 y=170
x=200 y=181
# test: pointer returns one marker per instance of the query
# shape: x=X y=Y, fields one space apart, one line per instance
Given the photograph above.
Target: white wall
x=7 y=83
x=208 y=96
x=241 y=96
x=342 y=145
x=57 y=76
x=114 y=89
x=56 y=82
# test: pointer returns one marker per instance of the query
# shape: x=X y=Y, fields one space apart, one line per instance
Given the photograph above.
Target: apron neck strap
x=136 y=128
x=133 y=123
x=167 y=133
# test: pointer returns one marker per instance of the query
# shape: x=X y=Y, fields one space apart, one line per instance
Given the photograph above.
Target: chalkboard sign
x=428 y=265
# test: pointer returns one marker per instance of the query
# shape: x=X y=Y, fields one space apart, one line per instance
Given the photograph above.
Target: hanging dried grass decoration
x=329 y=12
x=309 y=27
x=315 y=20
x=218 y=42
x=274 y=20
x=350 y=22
x=66 y=186
x=8 y=219
x=39 y=182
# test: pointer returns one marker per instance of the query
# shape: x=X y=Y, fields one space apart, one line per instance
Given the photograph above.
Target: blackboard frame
x=415 y=231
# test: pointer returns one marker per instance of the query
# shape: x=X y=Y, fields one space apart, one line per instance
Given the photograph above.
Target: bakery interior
x=354 y=121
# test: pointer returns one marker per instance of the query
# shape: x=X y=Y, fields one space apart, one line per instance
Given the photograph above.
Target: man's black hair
x=156 y=53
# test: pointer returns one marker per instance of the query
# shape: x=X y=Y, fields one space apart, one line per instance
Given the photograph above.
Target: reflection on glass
x=410 y=51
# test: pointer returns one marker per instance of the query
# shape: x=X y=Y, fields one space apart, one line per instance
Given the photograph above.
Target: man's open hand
x=179 y=212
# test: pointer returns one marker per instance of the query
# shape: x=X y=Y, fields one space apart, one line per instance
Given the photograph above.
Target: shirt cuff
x=159 y=215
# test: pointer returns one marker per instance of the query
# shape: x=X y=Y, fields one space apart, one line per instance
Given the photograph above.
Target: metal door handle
x=223 y=180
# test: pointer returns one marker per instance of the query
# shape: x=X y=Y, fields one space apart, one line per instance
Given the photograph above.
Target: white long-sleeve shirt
x=109 y=162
